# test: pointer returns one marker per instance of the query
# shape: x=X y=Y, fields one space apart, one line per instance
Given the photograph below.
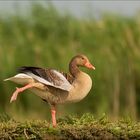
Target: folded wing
x=48 y=77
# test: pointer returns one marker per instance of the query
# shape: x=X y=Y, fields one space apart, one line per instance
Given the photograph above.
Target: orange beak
x=90 y=66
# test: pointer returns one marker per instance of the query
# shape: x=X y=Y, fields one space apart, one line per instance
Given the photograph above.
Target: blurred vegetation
x=46 y=38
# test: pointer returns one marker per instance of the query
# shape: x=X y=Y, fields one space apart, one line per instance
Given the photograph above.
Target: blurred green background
x=48 y=38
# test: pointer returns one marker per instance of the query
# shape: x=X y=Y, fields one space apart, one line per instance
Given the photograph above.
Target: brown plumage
x=54 y=86
x=47 y=74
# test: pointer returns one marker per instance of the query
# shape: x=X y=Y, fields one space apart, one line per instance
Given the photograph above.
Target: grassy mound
x=70 y=127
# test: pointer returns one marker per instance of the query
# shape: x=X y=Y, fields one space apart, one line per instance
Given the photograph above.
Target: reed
x=47 y=38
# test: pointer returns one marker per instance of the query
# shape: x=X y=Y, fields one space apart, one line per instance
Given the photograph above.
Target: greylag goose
x=53 y=86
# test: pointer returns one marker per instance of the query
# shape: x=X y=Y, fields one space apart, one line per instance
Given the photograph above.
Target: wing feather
x=49 y=77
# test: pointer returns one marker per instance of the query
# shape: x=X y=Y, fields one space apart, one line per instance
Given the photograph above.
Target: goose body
x=54 y=86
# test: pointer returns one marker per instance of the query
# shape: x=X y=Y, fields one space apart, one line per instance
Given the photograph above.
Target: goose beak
x=89 y=66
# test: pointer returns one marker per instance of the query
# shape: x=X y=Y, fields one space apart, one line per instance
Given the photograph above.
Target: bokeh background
x=49 y=34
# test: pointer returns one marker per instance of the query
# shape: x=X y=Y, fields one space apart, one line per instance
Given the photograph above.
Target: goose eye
x=82 y=58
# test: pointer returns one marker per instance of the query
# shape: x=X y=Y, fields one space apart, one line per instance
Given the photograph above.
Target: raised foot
x=18 y=90
x=15 y=94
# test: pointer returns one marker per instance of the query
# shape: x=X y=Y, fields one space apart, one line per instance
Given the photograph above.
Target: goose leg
x=53 y=113
x=19 y=90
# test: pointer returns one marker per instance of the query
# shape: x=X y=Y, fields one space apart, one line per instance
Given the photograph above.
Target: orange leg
x=53 y=112
x=19 y=90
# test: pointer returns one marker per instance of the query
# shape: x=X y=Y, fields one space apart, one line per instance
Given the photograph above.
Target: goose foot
x=19 y=90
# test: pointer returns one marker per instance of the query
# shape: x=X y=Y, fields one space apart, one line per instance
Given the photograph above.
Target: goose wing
x=49 y=77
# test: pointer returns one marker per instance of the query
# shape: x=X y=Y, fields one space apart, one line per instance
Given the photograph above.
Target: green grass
x=70 y=127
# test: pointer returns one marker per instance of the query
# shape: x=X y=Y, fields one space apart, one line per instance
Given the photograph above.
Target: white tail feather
x=20 y=78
